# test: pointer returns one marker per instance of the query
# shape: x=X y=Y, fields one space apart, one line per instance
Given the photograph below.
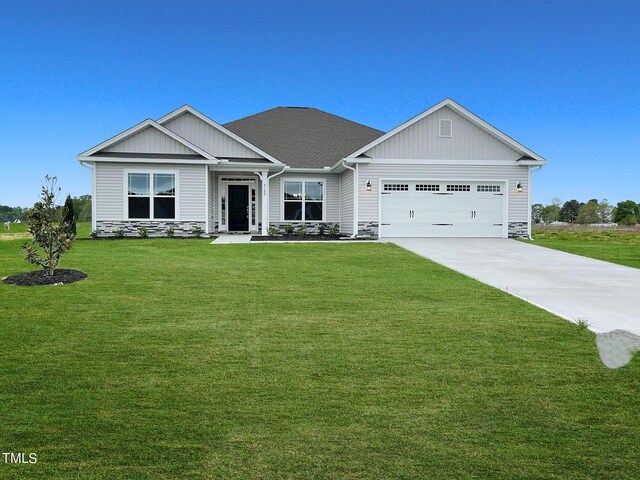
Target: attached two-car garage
x=443 y=208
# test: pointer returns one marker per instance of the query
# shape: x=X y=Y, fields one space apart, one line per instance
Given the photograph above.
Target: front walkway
x=573 y=287
x=231 y=238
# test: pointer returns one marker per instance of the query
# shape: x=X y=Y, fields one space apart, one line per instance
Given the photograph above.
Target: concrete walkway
x=573 y=287
x=231 y=238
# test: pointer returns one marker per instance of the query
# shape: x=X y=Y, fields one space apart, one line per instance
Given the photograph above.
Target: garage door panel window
x=488 y=188
x=151 y=196
x=396 y=187
x=427 y=188
x=303 y=200
x=458 y=188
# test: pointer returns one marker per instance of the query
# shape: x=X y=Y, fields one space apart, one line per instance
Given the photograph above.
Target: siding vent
x=396 y=187
x=488 y=188
x=458 y=188
x=446 y=128
x=427 y=188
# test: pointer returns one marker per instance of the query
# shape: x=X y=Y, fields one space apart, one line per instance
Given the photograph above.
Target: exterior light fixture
x=519 y=187
x=368 y=185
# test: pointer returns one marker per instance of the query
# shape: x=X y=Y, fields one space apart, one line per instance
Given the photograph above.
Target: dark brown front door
x=238 y=208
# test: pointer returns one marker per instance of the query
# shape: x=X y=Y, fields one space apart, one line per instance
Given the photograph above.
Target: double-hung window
x=151 y=196
x=303 y=200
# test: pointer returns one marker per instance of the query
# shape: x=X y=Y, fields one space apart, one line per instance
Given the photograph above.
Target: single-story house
x=443 y=173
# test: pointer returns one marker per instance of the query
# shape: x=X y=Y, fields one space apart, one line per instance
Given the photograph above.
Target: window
x=488 y=188
x=146 y=202
x=396 y=187
x=303 y=200
x=458 y=188
x=427 y=188
x=446 y=128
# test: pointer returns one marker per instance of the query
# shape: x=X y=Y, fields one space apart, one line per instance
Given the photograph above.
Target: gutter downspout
x=355 y=197
x=93 y=192
x=534 y=169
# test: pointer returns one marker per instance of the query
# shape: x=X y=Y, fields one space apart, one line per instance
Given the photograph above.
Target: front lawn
x=610 y=246
x=180 y=359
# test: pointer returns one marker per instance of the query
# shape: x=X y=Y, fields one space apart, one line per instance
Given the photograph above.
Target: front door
x=238 y=208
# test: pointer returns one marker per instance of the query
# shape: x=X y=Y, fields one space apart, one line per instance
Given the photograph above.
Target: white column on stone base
x=264 y=178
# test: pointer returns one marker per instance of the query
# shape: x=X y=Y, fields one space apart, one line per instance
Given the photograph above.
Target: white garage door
x=427 y=208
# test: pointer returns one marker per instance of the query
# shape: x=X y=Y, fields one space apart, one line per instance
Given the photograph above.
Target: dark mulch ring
x=298 y=238
x=38 y=277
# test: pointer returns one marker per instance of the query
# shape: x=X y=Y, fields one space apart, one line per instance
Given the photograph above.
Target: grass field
x=179 y=359
x=611 y=246
x=19 y=231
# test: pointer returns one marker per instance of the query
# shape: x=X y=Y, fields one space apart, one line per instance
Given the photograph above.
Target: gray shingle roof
x=303 y=137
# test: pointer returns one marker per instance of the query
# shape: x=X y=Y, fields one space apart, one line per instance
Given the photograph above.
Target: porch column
x=264 y=178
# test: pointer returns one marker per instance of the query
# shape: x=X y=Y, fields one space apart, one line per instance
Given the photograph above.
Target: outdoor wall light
x=519 y=187
x=368 y=185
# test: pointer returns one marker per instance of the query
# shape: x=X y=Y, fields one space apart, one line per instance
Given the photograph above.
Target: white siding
x=332 y=199
x=210 y=139
x=518 y=201
x=149 y=140
x=346 y=202
x=193 y=193
x=110 y=189
x=421 y=140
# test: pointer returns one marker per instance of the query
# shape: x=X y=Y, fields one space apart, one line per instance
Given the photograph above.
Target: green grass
x=611 y=246
x=179 y=359
x=19 y=230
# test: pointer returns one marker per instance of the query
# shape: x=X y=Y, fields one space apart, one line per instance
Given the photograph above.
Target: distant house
x=444 y=173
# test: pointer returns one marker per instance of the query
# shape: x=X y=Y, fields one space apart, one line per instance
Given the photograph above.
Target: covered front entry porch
x=238 y=199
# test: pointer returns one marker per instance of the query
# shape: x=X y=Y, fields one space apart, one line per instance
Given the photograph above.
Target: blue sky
x=563 y=78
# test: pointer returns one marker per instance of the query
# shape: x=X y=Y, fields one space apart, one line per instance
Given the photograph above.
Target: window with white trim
x=303 y=200
x=151 y=196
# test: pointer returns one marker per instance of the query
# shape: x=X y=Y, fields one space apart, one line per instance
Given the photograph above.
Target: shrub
x=334 y=230
x=119 y=233
x=68 y=218
x=94 y=234
x=289 y=228
x=321 y=229
x=170 y=232
x=143 y=232
x=51 y=236
x=302 y=231
x=271 y=231
x=198 y=231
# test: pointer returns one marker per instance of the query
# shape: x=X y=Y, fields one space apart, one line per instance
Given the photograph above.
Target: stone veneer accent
x=368 y=229
x=518 y=229
x=312 y=227
x=155 y=228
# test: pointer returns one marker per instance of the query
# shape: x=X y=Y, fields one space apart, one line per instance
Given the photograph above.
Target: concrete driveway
x=573 y=287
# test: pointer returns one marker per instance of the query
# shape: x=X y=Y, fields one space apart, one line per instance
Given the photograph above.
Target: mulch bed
x=298 y=238
x=38 y=277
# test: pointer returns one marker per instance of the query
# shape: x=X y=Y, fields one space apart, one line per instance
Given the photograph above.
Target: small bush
x=583 y=323
x=271 y=231
x=303 y=231
x=289 y=229
x=321 y=229
x=119 y=233
x=198 y=231
x=170 y=232
x=143 y=232
x=334 y=230
x=94 y=234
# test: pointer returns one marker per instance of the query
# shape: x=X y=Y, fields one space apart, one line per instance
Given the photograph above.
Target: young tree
x=569 y=211
x=605 y=211
x=627 y=213
x=51 y=237
x=556 y=202
x=588 y=213
x=68 y=216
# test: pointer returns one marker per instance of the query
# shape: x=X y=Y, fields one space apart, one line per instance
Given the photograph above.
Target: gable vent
x=446 y=128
